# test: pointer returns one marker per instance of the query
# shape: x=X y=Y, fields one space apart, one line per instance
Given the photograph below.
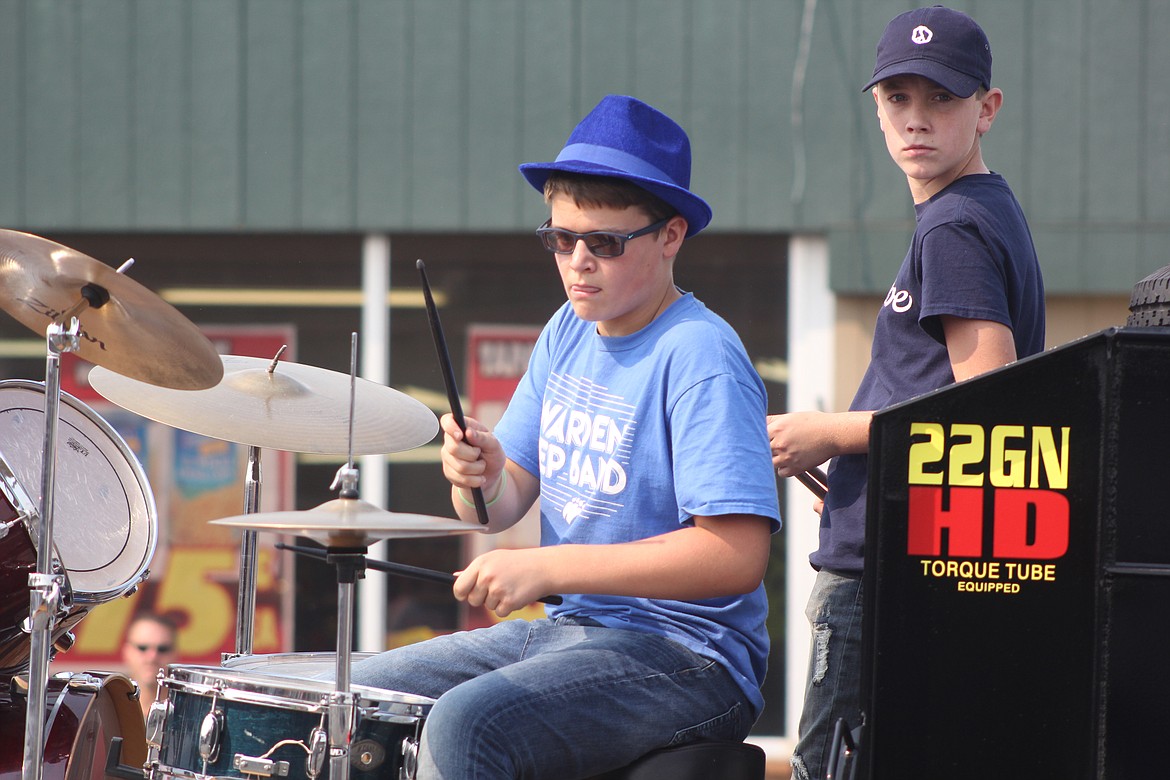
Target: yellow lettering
x=923 y=453
x=1006 y=468
x=1044 y=451
x=968 y=453
x=194 y=586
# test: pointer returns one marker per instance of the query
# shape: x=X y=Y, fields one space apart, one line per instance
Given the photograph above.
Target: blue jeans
x=834 y=671
x=556 y=699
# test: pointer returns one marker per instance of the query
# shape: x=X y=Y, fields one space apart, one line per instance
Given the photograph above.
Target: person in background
x=151 y=643
x=968 y=298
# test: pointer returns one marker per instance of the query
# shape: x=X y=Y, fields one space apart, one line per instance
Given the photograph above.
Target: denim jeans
x=834 y=671
x=556 y=699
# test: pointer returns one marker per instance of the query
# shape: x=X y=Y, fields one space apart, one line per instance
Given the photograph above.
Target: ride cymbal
x=125 y=327
x=347 y=522
x=294 y=407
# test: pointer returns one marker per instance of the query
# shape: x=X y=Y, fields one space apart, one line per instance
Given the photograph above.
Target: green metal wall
x=411 y=115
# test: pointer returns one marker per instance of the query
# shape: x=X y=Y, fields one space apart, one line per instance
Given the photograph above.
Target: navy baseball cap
x=941 y=44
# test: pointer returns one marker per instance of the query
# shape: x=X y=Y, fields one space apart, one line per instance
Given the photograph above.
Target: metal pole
x=811 y=314
x=246 y=603
x=45 y=585
x=375 y=349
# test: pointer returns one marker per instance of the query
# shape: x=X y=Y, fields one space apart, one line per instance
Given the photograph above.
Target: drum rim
x=307 y=695
x=136 y=470
x=241 y=661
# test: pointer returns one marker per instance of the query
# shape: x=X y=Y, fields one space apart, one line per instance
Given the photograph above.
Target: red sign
x=497 y=357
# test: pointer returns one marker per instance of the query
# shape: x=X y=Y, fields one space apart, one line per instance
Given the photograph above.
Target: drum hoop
x=81 y=691
x=298 y=694
x=174 y=771
x=249 y=697
x=136 y=470
x=392 y=702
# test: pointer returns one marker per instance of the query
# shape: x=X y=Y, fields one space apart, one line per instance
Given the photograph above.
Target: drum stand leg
x=45 y=585
x=350 y=564
x=246 y=604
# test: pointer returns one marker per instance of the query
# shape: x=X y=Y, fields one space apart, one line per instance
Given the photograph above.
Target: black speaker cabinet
x=1017 y=585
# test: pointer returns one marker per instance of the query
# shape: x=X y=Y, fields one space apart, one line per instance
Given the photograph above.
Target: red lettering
x=1050 y=526
x=963 y=517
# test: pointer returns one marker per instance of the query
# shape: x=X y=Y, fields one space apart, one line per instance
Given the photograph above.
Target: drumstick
x=815 y=480
x=449 y=379
x=809 y=481
x=417 y=572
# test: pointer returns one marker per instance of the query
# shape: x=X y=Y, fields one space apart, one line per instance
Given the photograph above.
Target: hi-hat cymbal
x=350 y=522
x=134 y=332
x=296 y=407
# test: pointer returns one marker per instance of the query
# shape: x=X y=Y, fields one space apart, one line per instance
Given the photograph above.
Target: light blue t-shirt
x=631 y=437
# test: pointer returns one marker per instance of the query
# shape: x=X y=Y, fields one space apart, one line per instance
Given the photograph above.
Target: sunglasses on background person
x=602 y=243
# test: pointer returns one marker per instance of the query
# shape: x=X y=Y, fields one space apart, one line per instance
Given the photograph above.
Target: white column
x=374 y=343
x=811 y=316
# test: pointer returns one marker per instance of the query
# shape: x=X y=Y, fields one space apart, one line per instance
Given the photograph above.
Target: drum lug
x=156 y=723
x=85 y=682
x=264 y=767
x=318 y=748
x=65 y=642
x=409 y=759
x=209 y=733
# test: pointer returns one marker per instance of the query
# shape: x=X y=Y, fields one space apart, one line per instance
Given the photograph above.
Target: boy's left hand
x=502 y=581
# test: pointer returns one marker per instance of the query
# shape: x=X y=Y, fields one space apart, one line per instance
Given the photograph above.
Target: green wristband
x=499 y=491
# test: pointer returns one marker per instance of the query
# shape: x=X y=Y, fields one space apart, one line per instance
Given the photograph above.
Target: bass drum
x=104 y=518
x=84 y=712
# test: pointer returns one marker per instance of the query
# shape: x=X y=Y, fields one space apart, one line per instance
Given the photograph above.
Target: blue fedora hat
x=624 y=138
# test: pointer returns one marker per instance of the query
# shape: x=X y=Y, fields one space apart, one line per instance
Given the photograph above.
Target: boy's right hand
x=472 y=460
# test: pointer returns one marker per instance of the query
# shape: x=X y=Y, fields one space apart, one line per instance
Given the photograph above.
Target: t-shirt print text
x=898 y=300
x=586 y=433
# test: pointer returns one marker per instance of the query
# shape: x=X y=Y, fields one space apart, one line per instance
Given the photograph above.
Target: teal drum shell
x=260 y=717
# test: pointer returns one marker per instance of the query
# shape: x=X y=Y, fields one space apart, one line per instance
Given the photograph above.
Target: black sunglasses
x=159 y=648
x=601 y=243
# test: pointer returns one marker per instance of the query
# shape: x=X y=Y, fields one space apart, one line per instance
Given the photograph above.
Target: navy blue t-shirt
x=972 y=256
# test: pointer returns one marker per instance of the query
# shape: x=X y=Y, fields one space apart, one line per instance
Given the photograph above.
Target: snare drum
x=223 y=722
x=302 y=666
x=104 y=520
x=85 y=712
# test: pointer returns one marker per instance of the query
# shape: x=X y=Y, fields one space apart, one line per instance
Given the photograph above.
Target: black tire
x=1149 y=305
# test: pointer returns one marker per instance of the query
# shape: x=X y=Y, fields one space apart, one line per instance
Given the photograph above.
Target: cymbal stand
x=46 y=584
x=246 y=601
x=350 y=565
x=349 y=558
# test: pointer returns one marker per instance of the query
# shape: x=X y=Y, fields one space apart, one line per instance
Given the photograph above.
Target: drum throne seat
x=701 y=760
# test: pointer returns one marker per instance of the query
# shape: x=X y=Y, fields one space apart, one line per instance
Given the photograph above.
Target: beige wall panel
x=1069 y=318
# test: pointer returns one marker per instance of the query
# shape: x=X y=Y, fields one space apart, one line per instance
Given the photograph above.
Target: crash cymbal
x=296 y=407
x=133 y=332
x=349 y=522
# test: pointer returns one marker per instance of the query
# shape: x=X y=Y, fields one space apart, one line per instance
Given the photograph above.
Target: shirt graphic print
x=585 y=442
